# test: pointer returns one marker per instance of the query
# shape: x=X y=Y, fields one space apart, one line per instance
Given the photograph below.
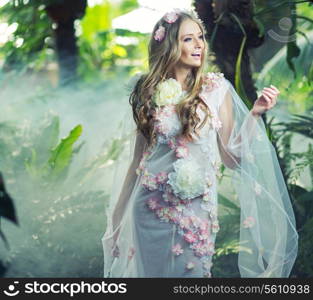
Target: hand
x=266 y=101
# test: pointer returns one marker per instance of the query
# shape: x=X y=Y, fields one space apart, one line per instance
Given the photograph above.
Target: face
x=192 y=44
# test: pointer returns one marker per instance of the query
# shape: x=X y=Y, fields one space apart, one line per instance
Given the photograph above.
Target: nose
x=198 y=43
x=198 y=46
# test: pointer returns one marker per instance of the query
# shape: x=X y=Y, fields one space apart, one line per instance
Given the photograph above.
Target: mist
x=60 y=209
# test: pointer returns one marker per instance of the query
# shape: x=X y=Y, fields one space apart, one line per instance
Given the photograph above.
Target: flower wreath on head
x=170 y=17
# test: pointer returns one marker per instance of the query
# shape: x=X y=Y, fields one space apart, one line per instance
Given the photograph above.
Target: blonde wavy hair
x=163 y=56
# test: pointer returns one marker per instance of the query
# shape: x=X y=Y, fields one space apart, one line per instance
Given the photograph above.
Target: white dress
x=168 y=221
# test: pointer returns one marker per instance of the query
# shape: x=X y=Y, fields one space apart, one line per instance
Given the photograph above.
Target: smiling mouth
x=196 y=55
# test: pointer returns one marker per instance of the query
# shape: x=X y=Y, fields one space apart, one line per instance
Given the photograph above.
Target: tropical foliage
x=57 y=151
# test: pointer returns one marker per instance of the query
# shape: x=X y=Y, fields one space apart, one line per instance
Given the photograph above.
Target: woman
x=164 y=221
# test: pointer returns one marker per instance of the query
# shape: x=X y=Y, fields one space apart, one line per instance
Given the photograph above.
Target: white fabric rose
x=168 y=92
x=187 y=180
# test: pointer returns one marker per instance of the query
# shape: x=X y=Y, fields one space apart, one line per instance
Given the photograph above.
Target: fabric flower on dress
x=167 y=214
x=250 y=157
x=217 y=167
x=131 y=253
x=215 y=226
x=172 y=143
x=184 y=222
x=166 y=121
x=187 y=180
x=207 y=265
x=196 y=221
x=153 y=203
x=215 y=122
x=165 y=111
x=182 y=141
x=248 y=222
x=161 y=177
x=177 y=249
x=207 y=274
x=182 y=151
x=204 y=225
x=149 y=181
x=204 y=248
x=168 y=92
x=212 y=80
x=190 y=265
x=204 y=234
x=190 y=237
x=141 y=166
x=170 y=197
x=259 y=137
x=159 y=34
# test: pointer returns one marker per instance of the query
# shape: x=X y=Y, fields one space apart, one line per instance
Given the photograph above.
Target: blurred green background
x=65 y=77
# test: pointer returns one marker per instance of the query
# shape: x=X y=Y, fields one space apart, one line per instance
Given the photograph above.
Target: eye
x=187 y=39
x=201 y=36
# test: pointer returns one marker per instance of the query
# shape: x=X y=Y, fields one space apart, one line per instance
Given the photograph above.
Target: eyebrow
x=192 y=33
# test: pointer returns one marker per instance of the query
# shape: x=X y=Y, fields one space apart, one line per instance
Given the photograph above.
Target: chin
x=194 y=65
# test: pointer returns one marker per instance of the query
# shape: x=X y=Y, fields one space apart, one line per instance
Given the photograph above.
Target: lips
x=196 y=56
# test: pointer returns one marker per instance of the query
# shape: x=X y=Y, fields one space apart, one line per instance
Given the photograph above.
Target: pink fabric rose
x=171 y=17
x=131 y=253
x=184 y=222
x=171 y=144
x=182 y=151
x=159 y=33
x=161 y=177
x=204 y=234
x=177 y=249
x=153 y=203
x=215 y=122
x=190 y=237
x=248 y=222
x=182 y=141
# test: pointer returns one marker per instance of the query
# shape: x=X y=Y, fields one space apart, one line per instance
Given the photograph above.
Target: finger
x=270 y=96
x=271 y=91
x=275 y=88
x=273 y=103
x=267 y=98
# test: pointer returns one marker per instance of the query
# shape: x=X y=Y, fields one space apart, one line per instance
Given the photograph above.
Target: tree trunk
x=229 y=36
x=64 y=13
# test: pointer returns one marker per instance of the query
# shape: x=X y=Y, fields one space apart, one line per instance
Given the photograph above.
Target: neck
x=180 y=73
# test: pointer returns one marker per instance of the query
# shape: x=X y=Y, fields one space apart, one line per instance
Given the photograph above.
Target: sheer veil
x=268 y=233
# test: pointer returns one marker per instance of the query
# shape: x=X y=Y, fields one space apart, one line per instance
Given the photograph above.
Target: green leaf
x=238 y=82
x=62 y=154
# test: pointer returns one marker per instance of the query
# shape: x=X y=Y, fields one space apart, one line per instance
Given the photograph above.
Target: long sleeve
x=237 y=122
x=124 y=183
x=129 y=182
x=268 y=238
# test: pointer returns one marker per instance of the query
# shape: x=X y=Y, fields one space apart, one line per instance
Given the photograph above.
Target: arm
x=230 y=134
x=128 y=185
